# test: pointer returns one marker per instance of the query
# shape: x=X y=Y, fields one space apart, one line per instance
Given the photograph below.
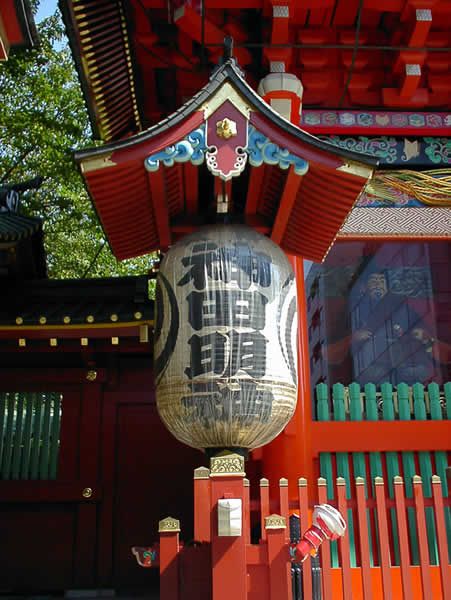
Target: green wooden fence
x=29 y=434
x=386 y=404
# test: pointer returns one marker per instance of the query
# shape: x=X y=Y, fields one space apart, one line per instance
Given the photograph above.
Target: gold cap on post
x=275 y=522
x=169 y=525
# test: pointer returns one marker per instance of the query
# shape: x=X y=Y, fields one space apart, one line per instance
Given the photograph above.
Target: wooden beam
x=381 y=436
x=286 y=205
x=191 y=188
x=190 y=21
x=157 y=187
x=255 y=189
x=410 y=81
x=224 y=187
x=420 y=28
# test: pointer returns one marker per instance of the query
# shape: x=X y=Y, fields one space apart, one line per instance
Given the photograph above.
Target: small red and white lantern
x=283 y=92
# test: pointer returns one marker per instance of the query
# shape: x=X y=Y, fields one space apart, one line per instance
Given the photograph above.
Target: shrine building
x=323 y=125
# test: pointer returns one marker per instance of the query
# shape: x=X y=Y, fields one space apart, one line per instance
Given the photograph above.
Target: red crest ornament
x=226 y=140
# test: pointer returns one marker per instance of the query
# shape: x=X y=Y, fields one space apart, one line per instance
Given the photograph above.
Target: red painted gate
x=75 y=531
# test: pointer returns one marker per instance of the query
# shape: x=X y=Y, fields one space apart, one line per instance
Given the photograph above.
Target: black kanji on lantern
x=224 y=354
x=235 y=308
x=210 y=403
x=231 y=263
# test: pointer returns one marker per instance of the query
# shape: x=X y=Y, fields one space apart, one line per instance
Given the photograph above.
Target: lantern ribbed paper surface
x=225 y=339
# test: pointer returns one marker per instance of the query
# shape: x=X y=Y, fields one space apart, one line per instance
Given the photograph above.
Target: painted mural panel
x=381 y=312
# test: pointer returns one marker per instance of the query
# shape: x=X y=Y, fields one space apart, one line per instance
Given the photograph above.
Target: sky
x=46 y=8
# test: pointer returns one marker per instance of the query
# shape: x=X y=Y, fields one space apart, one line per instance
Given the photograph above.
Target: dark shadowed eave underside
x=14 y=227
x=72 y=309
x=99 y=42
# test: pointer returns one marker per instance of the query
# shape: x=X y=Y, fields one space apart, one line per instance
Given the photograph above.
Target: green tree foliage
x=42 y=119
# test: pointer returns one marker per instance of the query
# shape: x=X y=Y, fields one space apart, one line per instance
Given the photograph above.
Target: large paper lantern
x=225 y=339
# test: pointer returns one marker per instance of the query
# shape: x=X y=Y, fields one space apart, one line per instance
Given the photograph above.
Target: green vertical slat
x=408 y=465
x=29 y=408
x=2 y=427
x=9 y=433
x=44 y=458
x=447 y=388
x=55 y=436
x=372 y=415
x=355 y=412
x=358 y=458
x=338 y=397
x=325 y=458
x=424 y=459
x=392 y=463
x=375 y=457
x=441 y=459
x=36 y=441
x=17 y=443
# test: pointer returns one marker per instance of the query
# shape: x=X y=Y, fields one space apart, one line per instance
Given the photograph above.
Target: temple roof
x=14 y=227
x=376 y=54
x=73 y=309
x=17 y=27
x=152 y=187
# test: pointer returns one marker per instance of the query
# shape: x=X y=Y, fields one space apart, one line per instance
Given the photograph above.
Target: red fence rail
x=265 y=565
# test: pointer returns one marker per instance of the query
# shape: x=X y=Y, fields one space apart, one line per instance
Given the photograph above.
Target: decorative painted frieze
x=191 y=149
x=262 y=150
x=395 y=151
x=412 y=123
x=215 y=151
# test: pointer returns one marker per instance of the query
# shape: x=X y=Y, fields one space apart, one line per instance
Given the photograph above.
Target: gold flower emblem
x=226 y=129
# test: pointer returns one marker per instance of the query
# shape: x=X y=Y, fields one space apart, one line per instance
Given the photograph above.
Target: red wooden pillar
x=278 y=558
x=228 y=554
x=290 y=454
x=169 y=530
x=202 y=505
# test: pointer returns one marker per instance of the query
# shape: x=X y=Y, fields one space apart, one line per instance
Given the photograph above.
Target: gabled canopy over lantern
x=154 y=187
x=225 y=339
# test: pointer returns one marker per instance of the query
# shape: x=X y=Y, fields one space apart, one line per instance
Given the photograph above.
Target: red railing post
x=202 y=505
x=422 y=537
x=326 y=573
x=284 y=503
x=278 y=558
x=403 y=538
x=305 y=524
x=264 y=504
x=228 y=553
x=343 y=542
x=384 y=547
x=169 y=530
x=441 y=537
x=363 y=539
x=247 y=511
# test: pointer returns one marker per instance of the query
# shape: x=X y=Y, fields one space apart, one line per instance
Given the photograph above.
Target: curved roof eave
x=227 y=72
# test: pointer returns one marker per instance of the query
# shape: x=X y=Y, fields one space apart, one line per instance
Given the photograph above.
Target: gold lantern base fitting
x=212 y=452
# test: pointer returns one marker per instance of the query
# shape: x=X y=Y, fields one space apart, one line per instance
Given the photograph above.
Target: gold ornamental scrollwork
x=228 y=464
x=275 y=522
x=169 y=524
